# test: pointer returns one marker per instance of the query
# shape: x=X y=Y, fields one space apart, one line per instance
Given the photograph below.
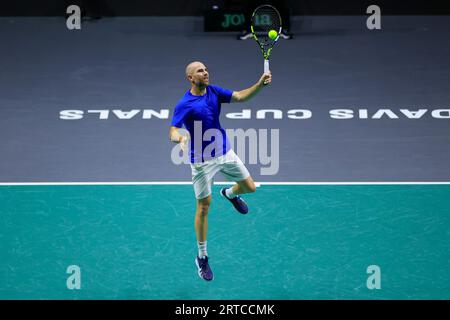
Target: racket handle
x=266 y=66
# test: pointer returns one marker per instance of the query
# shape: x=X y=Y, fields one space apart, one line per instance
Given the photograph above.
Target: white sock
x=202 y=249
x=229 y=193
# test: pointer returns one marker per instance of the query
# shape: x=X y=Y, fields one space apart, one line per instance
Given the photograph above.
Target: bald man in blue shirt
x=198 y=111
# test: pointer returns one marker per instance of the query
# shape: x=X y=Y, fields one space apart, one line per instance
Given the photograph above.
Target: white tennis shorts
x=203 y=173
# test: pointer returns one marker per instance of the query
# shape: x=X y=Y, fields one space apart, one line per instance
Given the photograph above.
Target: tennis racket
x=264 y=19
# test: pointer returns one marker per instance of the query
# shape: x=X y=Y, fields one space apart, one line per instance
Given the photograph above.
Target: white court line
x=258 y=184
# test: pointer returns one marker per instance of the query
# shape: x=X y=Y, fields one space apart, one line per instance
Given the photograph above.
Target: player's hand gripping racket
x=266 y=27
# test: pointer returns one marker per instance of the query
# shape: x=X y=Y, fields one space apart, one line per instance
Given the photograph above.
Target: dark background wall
x=197 y=7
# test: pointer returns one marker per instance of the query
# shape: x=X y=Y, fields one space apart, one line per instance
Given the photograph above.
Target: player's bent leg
x=234 y=169
x=244 y=186
x=232 y=194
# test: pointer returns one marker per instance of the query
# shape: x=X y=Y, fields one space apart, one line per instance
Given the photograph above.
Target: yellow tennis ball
x=273 y=34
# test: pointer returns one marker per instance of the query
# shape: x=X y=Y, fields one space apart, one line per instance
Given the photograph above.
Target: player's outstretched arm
x=247 y=94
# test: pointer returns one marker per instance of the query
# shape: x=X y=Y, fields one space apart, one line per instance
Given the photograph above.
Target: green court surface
x=297 y=242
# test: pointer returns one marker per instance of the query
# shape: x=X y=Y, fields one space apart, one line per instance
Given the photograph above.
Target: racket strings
x=264 y=19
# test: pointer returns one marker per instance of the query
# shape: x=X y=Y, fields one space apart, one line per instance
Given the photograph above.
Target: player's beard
x=203 y=83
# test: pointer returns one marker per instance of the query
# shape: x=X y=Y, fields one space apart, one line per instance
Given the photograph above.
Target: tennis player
x=198 y=111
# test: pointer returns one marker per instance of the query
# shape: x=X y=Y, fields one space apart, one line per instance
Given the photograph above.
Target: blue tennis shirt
x=200 y=116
